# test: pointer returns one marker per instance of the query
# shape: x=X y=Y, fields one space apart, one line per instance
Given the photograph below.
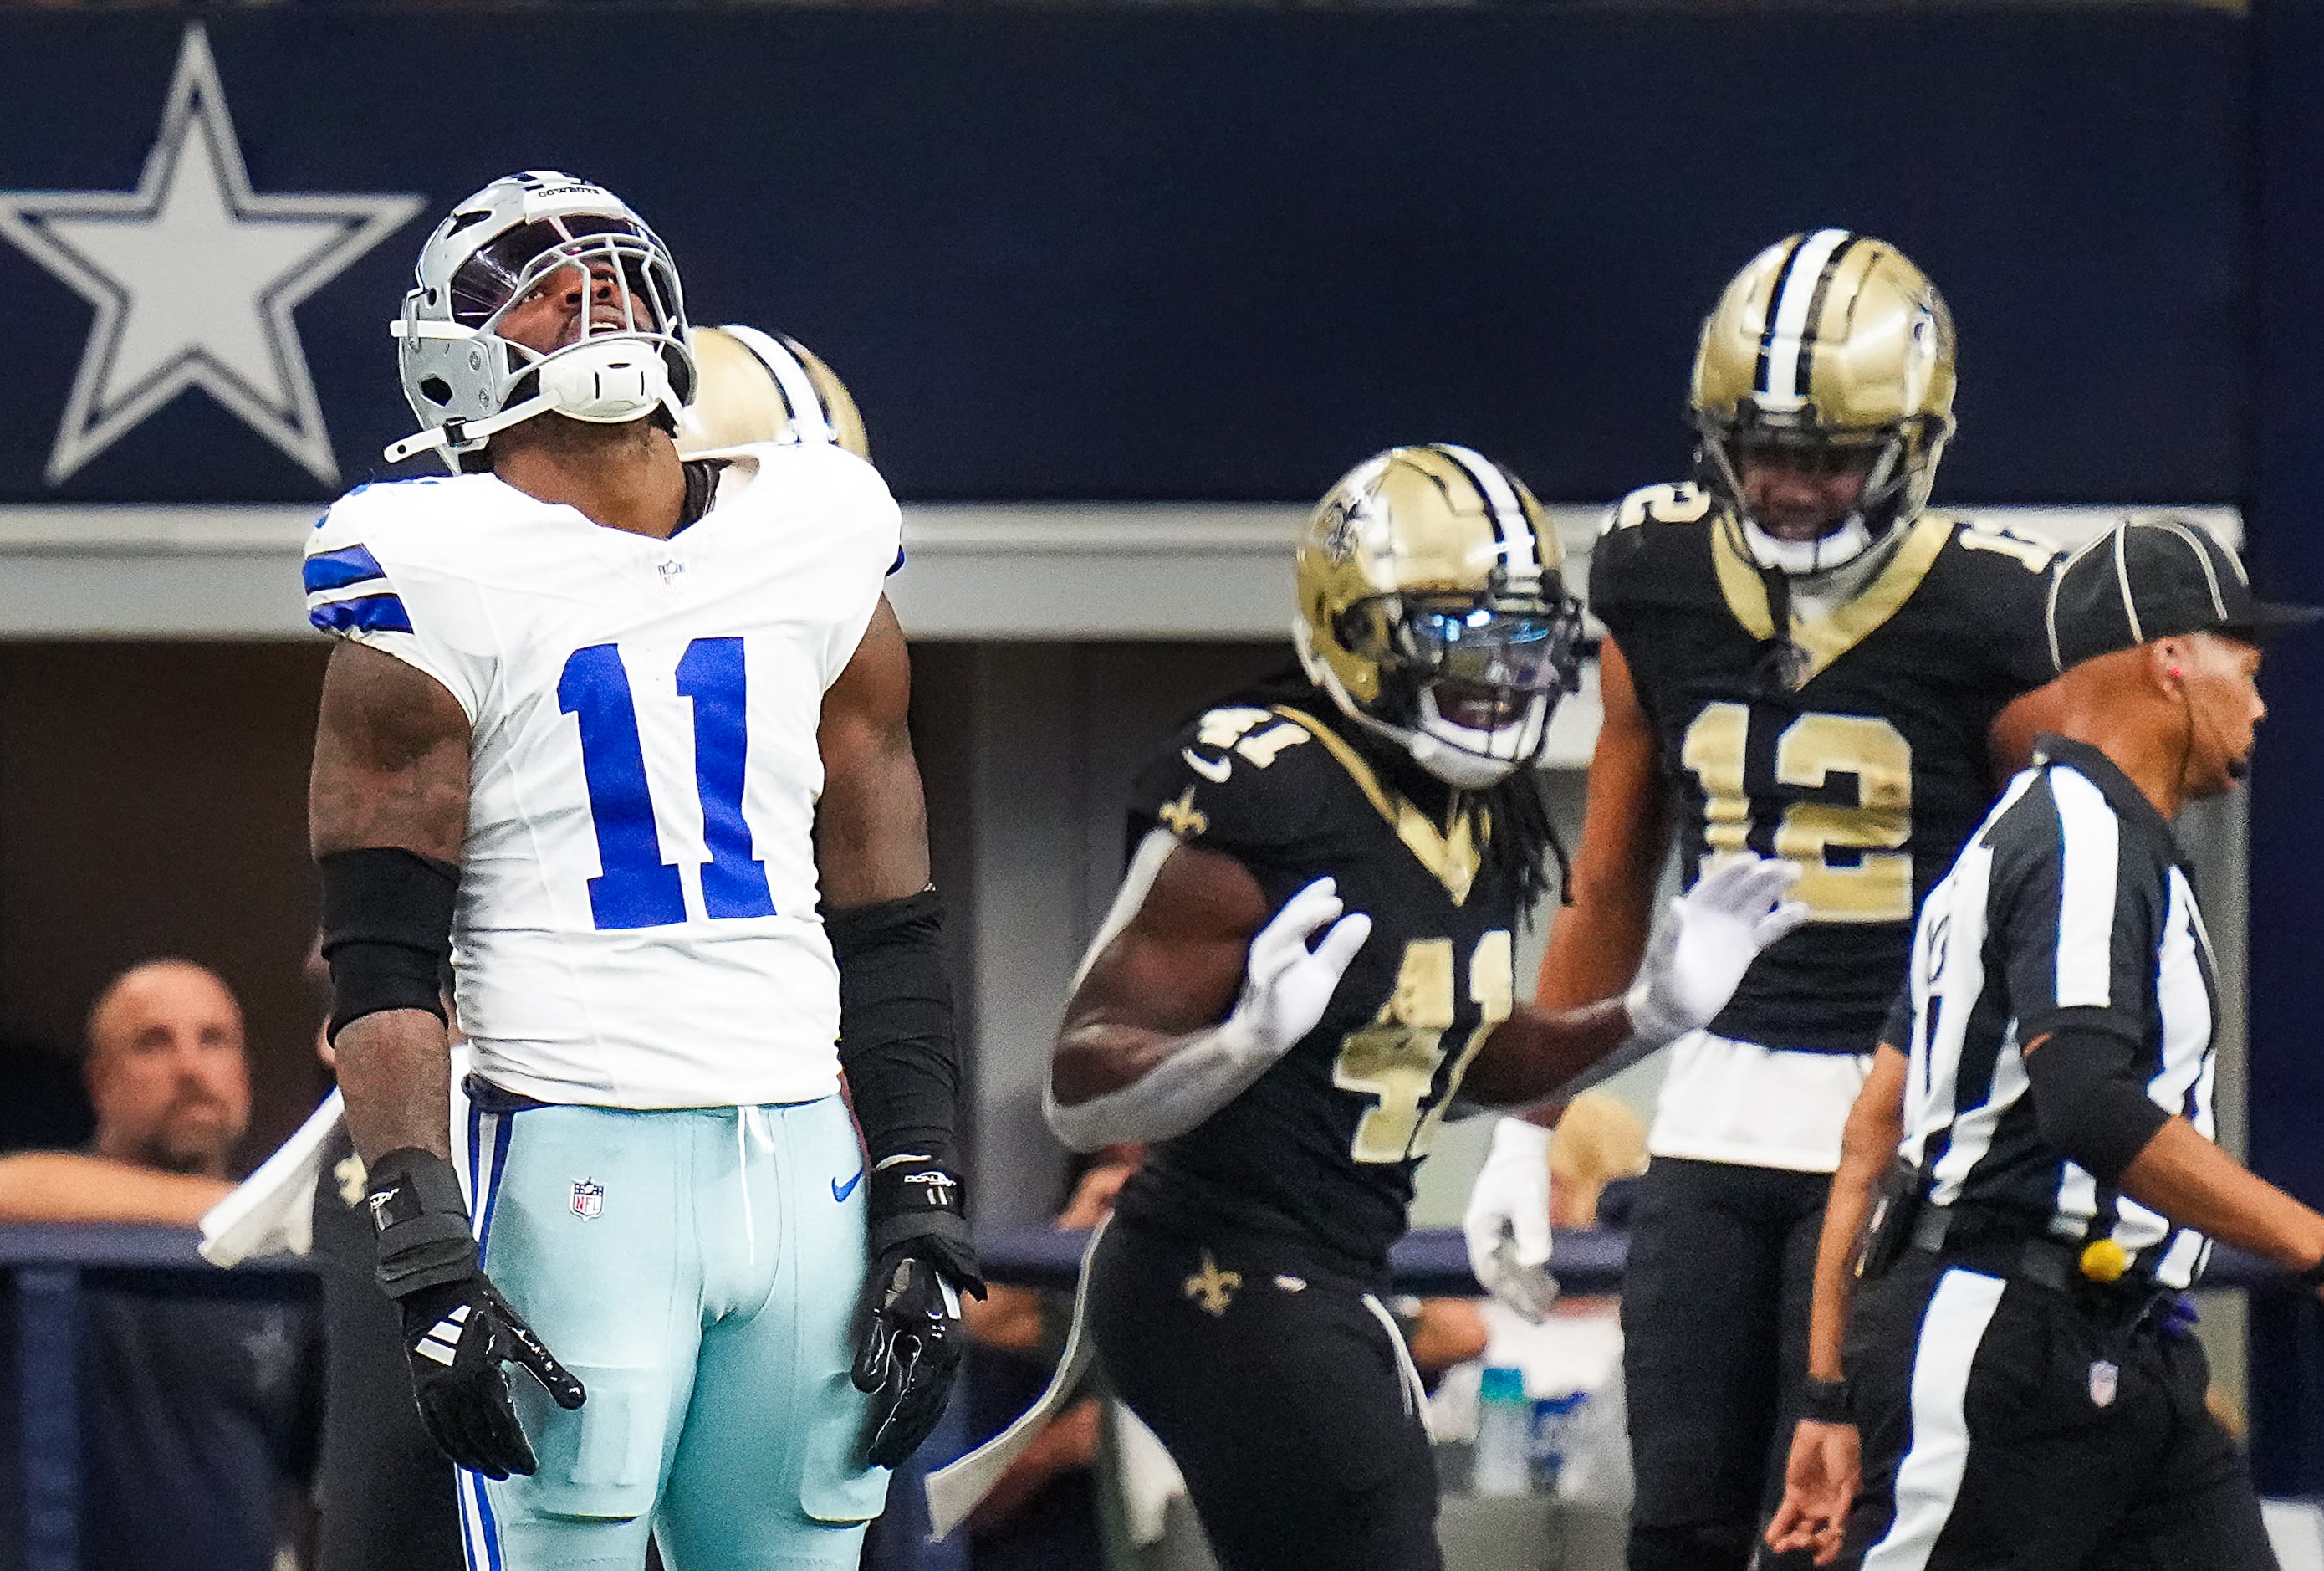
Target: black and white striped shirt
x=2071 y=906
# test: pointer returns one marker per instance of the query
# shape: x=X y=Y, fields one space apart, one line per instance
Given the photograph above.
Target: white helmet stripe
x=1791 y=314
x=1520 y=546
x=810 y=420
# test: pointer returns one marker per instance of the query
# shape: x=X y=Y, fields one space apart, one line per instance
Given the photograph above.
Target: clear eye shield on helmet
x=1472 y=642
x=527 y=261
x=1811 y=452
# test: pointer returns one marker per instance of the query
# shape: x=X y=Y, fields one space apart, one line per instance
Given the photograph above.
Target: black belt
x=2046 y=1262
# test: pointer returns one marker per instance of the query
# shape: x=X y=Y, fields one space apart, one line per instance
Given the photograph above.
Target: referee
x=2019 y=1368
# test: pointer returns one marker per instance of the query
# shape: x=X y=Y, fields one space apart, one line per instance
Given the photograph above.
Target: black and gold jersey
x=1323 y=1146
x=1861 y=752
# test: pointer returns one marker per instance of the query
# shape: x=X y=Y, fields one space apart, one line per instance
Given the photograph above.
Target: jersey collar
x=2128 y=802
x=1453 y=853
x=1824 y=639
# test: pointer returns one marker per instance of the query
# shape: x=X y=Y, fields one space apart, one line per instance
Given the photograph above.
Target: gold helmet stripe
x=1786 y=350
x=1521 y=552
x=809 y=419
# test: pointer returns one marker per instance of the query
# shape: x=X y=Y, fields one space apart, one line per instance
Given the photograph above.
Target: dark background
x=1222 y=253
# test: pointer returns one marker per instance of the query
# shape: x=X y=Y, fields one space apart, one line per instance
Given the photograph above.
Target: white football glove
x=1507 y=1223
x=1717 y=928
x=1287 y=986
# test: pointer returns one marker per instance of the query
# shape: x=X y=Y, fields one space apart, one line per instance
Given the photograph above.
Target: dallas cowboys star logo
x=194 y=278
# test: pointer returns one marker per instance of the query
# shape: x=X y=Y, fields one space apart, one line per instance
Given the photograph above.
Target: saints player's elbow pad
x=2088 y=1101
x=387 y=930
x=895 y=1025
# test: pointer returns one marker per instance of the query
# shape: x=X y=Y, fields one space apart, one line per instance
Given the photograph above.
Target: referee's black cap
x=2156 y=577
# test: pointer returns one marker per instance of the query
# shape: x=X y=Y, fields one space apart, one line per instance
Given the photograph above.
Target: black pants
x=1715 y=1328
x=1278 y=1394
x=387 y=1496
x=2009 y=1425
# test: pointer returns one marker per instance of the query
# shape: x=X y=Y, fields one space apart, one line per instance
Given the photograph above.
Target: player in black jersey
x=1801 y=662
x=1292 y=1090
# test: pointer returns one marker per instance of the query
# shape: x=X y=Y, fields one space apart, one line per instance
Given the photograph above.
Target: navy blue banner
x=1116 y=255
x=2286 y=1069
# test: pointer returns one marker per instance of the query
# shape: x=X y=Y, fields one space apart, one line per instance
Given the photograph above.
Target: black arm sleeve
x=896 y=1045
x=2090 y=1102
x=387 y=930
x=1903 y=1011
x=895 y=1025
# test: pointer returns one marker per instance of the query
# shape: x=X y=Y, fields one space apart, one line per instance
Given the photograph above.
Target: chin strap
x=456 y=434
x=1806 y=558
x=581 y=381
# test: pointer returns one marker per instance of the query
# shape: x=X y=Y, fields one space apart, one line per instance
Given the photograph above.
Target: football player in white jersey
x=629 y=732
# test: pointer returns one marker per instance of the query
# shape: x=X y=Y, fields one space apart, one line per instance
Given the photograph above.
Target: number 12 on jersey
x=1877 y=885
x=637 y=889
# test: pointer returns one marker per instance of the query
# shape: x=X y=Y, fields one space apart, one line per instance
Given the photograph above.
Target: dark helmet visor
x=486 y=281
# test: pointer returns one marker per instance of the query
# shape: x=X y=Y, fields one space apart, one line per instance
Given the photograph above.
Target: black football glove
x=908 y=1336
x=457 y=1330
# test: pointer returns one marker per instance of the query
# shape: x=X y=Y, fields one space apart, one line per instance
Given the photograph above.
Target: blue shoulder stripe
x=337 y=569
x=367 y=613
x=897 y=566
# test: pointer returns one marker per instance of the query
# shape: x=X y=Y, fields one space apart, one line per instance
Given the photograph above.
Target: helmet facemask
x=1468 y=683
x=1898 y=464
x=625 y=356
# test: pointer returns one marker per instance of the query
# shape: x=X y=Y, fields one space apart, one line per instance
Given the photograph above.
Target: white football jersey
x=637 y=923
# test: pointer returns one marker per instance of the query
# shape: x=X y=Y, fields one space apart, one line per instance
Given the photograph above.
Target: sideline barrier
x=47 y=1268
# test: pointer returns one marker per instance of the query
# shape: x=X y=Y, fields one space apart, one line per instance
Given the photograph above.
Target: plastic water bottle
x=1553 y=1420
x=1504 y=1435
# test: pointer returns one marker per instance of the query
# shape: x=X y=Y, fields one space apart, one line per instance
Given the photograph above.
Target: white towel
x=1150 y=1480
x=272 y=1211
x=955 y=1487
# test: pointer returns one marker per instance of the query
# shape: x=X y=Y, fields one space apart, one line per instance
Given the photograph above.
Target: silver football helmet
x=628 y=356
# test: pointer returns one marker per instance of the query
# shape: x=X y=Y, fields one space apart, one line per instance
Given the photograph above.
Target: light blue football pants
x=697 y=1271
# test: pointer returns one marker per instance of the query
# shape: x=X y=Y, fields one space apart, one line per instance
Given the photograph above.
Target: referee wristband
x=1824 y=1401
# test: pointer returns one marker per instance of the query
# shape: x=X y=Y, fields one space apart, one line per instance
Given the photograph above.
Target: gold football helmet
x=1433 y=611
x=1829 y=352
x=763 y=387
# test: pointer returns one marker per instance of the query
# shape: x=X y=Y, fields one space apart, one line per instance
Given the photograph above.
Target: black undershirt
x=701 y=487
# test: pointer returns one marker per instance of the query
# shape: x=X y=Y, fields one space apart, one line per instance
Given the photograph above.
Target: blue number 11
x=637 y=888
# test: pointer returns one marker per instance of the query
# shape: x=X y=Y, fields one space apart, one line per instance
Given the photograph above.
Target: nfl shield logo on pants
x=2104 y=1376
x=588 y=1199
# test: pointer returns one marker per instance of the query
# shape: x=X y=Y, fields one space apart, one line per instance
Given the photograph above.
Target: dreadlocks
x=1525 y=843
